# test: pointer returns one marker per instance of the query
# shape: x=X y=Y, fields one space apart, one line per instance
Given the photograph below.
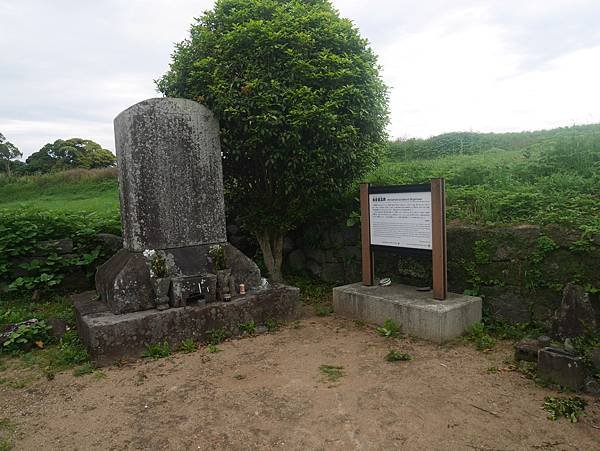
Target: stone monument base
x=110 y=338
x=418 y=313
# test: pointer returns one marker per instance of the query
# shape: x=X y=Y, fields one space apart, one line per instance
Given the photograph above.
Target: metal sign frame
x=438 y=250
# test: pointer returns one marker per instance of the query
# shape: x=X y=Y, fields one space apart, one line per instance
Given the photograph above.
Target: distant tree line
x=60 y=155
x=472 y=143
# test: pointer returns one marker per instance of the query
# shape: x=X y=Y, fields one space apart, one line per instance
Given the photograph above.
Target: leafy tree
x=8 y=151
x=69 y=154
x=300 y=101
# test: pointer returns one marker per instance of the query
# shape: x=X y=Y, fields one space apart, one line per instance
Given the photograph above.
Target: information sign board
x=401 y=219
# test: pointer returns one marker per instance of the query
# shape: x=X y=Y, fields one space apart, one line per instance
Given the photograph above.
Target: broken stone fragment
x=576 y=313
x=562 y=368
x=527 y=349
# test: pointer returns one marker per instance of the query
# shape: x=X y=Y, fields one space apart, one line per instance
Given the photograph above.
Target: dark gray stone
x=576 y=313
x=170 y=176
x=507 y=303
x=288 y=245
x=332 y=272
x=59 y=327
x=161 y=286
x=527 y=349
x=242 y=268
x=189 y=289
x=592 y=386
x=225 y=285
x=544 y=341
x=112 y=243
x=124 y=283
x=109 y=337
x=313 y=267
x=296 y=260
x=595 y=358
x=560 y=367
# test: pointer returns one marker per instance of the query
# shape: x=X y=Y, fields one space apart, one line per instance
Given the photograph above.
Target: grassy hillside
x=469 y=143
x=533 y=177
x=78 y=190
x=554 y=178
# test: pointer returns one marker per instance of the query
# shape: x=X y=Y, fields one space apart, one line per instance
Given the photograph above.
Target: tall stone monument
x=176 y=264
x=172 y=207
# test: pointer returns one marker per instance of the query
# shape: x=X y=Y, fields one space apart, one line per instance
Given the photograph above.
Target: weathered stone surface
x=575 y=314
x=189 y=289
x=109 y=337
x=595 y=358
x=124 y=281
x=561 y=368
x=242 y=268
x=59 y=327
x=226 y=288
x=112 y=243
x=296 y=260
x=592 y=386
x=527 y=349
x=170 y=175
x=507 y=304
x=544 y=341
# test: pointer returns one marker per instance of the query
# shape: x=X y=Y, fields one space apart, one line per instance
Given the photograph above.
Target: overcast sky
x=68 y=67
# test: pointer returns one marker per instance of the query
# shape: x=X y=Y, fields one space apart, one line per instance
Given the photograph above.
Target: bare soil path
x=267 y=392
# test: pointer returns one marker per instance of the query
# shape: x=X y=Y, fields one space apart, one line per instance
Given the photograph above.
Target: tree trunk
x=271 y=245
x=8 y=168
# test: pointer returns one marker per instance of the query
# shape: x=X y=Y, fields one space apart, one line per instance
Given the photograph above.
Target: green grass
x=332 y=373
x=157 y=350
x=16 y=309
x=389 y=329
x=77 y=190
x=397 y=356
x=552 y=181
x=188 y=345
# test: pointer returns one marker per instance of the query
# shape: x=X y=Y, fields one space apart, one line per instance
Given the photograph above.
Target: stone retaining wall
x=519 y=270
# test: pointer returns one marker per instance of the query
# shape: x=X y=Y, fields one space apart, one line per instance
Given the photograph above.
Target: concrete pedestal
x=110 y=338
x=418 y=313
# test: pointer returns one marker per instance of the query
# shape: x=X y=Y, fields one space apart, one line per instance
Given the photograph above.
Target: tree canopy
x=301 y=105
x=69 y=154
x=8 y=152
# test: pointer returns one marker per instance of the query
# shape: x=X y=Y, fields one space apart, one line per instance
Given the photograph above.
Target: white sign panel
x=401 y=219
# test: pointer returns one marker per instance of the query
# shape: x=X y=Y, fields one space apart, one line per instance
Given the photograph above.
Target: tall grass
x=74 y=190
x=558 y=182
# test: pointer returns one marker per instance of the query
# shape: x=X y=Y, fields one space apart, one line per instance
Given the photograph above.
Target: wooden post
x=438 y=239
x=365 y=235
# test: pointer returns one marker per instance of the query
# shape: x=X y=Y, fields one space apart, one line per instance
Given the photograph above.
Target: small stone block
x=595 y=358
x=592 y=387
x=527 y=349
x=561 y=368
x=544 y=341
x=192 y=289
x=417 y=312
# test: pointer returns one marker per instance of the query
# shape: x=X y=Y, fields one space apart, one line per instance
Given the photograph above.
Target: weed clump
x=332 y=373
x=397 y=356
x=188 y=346
x=248 y=327
x=157 y=350
x=389 y=329
x=570 y=408
x=477 y=334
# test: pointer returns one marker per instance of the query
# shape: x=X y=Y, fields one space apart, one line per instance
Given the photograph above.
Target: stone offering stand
x=176 y=277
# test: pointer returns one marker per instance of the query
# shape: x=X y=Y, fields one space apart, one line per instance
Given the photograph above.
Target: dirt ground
x=267 y=392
